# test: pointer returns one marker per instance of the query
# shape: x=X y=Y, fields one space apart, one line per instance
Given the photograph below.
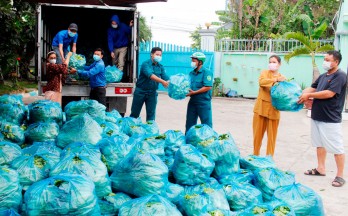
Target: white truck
x=93 y=20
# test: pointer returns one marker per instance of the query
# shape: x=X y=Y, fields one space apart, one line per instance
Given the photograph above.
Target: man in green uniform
x=151 y=74
x=200 y=93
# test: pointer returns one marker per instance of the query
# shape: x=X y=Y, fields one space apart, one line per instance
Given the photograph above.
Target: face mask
x=114 y=26
x=273 y=66
x=71 y=34
x=193 y=65
x=327 y=65
x=157 y=59
x=52 y=61
x=96 y=57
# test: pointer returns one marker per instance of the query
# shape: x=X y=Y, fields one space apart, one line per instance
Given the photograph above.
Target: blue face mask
x=71 y=34
x=157 y=59
x=96 y=58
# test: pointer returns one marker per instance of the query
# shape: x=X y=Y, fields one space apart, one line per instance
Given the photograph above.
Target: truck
x=93 y=20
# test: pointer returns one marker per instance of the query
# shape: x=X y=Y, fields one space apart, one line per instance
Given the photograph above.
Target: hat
x=73 y=26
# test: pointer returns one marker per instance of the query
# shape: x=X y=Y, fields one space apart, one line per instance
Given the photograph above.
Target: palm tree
x=308 y=40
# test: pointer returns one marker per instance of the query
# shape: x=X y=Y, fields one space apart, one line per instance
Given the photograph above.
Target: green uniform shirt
x=203 y=78
x=148 y=68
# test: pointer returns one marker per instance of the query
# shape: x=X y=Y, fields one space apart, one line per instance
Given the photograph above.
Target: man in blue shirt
x=118 y=39
x=151 y=74
x=96 y=74
x=200 y=93
x=62 y=41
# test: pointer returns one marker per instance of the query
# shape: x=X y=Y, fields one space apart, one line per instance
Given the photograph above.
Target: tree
x=196 y=38
x=17 y=35
x=145 y=33
x=307 y=39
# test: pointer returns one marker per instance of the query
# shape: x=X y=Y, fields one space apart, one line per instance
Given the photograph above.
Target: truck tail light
x=123 y=90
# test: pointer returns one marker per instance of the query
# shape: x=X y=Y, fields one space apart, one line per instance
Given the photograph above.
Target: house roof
x=96 y=2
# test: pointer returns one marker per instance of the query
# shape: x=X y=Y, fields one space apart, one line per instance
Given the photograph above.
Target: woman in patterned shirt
x=56 y=74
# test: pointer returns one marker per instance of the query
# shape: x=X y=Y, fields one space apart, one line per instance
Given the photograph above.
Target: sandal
x=338 y=182
x=314 y=172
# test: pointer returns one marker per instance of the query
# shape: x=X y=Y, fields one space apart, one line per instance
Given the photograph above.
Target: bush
x=42 y=131
x=65 y=194
x=151 y=205
x=111 y=204
x=91 y=107
x=113 y=74
x=10 y=189
x=152 y=180
x=191 y=167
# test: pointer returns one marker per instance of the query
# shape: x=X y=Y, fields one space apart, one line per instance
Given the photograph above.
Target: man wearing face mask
x=96 y=74
x=118 y=39
x=329 y=92
x=63 y=40
x=200 y=93
x=151 y=74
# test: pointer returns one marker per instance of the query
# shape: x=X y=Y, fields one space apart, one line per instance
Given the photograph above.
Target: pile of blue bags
x=86 y=161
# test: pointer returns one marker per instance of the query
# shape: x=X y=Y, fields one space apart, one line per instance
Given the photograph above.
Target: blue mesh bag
x=113 y=74
x=48 y=150
x=179 y=86
x=152 y=144
x=9 y=212
x=8 y=152
x=174 y=140
x=10 y=189
x=241 y=176
x=151 y=127
x=92 y=167
x=42 y=131
x=208 y=196
x=269 y=179
x=191 y=167
x=140 y=174
x=109 y=129
x=114 y=149
x=151 y=205
x=12 y=132
x=12 y=109
x=65 y=194
x=91 y=107
x=200 y=133
x=303 y=200
x=81 y=148
x=224 y=153
x=285 y=96
x=45 y=111
x=174 y=193
x=111 y=204
x=112 y=116
x=79 y=129
x=77 y=61
x=241 y=196
x=126 y=123
x=253 y=162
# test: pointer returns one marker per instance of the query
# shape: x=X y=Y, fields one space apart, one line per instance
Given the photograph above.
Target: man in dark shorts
x=329 y=92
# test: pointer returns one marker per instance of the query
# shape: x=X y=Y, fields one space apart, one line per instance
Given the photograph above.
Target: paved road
x=293 y=151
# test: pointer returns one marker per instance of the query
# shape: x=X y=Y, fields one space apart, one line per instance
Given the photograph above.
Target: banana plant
x=309 y=45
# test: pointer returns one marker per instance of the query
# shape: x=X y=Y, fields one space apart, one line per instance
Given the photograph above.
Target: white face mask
x=327 y=65
x=273 y=66
x=193 y=65
x=114 y=26
x=52 y=61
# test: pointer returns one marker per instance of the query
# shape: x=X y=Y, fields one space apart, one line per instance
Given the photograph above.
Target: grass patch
x=23 y=87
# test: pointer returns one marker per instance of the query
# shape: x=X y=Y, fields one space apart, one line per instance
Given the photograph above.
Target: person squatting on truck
x=62 y=41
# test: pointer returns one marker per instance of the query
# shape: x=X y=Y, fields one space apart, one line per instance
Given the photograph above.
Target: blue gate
x=175 y=59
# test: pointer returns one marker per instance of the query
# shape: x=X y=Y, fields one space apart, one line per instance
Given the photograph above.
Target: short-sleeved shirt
x=199 y=79
x=330 y=110
x=149 y=68
x=63 y=37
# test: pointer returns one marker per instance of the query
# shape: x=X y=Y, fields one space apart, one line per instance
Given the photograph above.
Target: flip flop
x=339 y=182
x=314 y=172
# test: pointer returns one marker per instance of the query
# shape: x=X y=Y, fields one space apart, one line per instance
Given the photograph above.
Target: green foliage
x=196 y=38
x=17 y=34
x=145 y=33
x=216 y=86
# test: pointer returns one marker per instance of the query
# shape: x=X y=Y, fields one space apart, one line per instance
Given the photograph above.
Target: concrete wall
x=240 y=71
